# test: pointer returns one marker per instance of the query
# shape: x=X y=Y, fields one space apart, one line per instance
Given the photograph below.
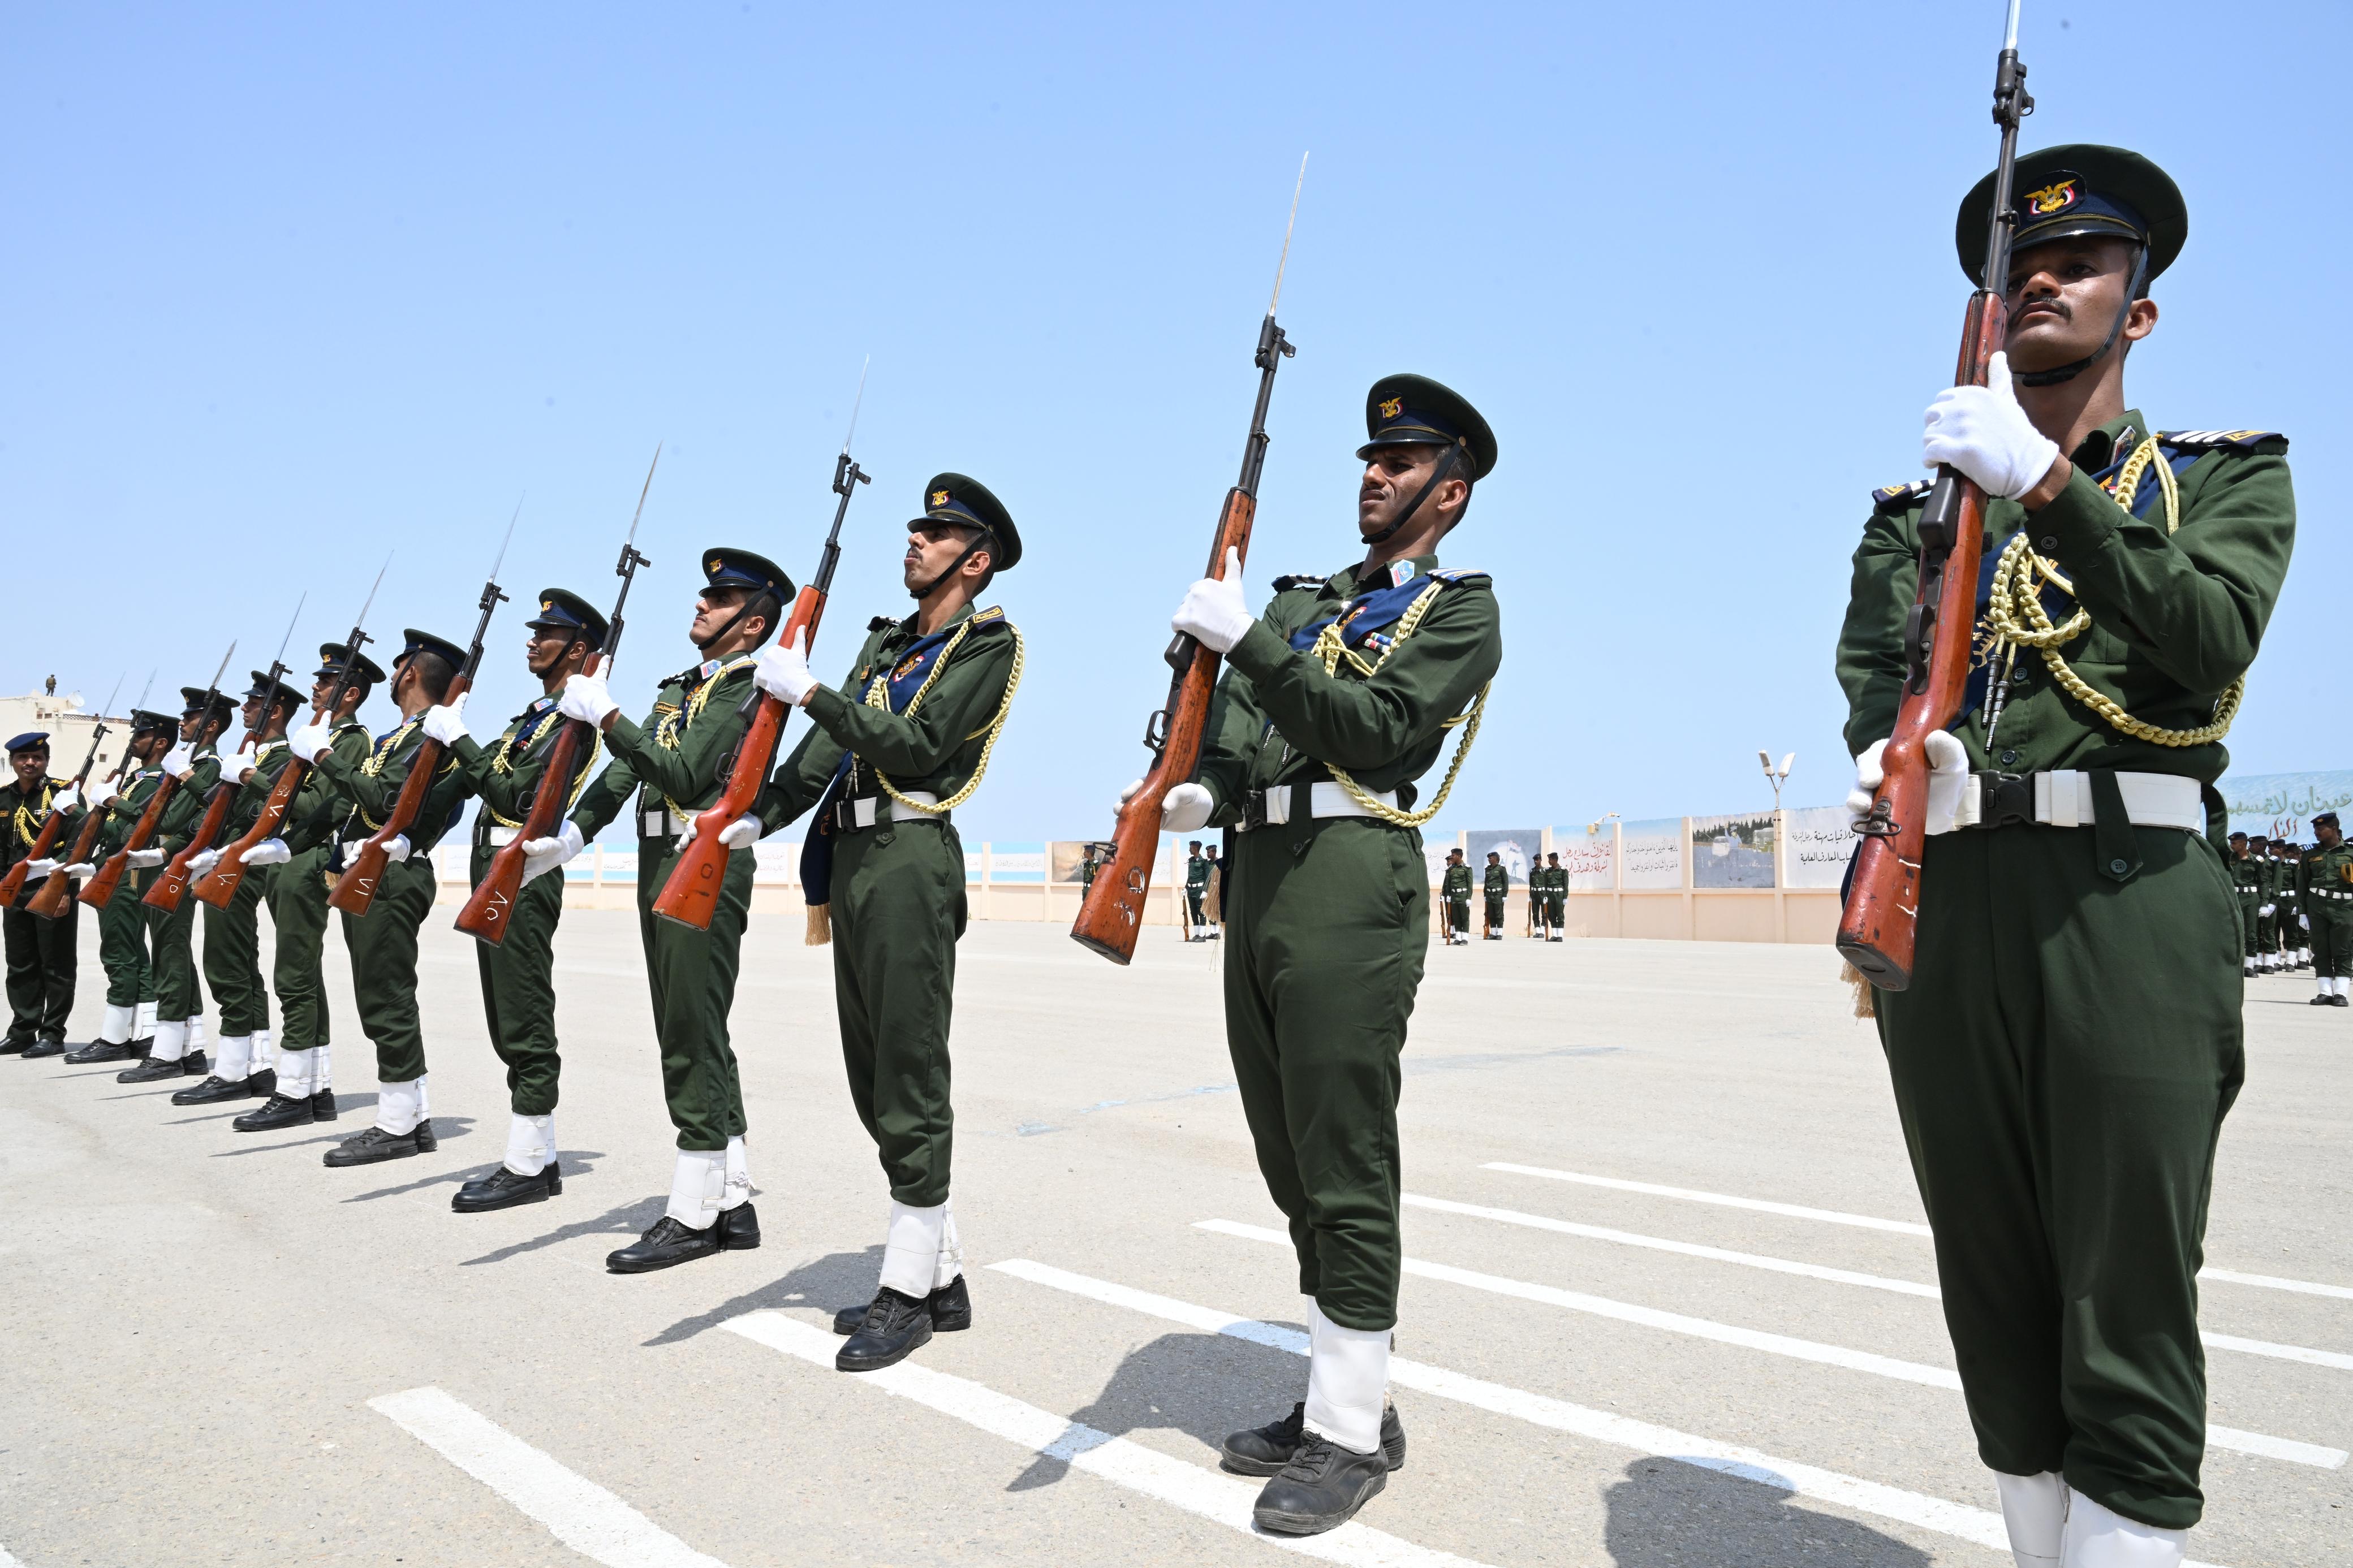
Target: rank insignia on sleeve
x=1890 y=495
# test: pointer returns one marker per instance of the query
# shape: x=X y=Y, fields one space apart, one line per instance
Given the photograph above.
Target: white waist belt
x=2064 y=799
x=858 y=814
x=1326 y=799
x=662 y=823
x=498 y=837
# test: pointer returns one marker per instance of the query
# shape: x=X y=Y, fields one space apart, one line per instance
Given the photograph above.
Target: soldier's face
x=321 y=689
x=2325 y=832
x=547 y=645
x=251 y=714
x=31 y=764
x=2062 y=297
x=1393 y=477
x=932 y=546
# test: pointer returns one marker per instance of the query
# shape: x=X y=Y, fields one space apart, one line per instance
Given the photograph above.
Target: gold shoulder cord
x=1329 y=648
x=674 y=722
x=2014 y=610
x=877 y=695
x=524 y=737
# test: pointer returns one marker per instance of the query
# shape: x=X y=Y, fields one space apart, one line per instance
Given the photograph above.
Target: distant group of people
x=2292 y=907
x=1205 y=876
x=1547 y=899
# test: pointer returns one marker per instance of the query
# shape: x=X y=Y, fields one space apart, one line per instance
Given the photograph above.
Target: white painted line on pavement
x=2304 y=1353
x=1866 y=1222
x=1209 y=1494
x=582 y=1514
x=1976 y=1525
x=1771 y=1344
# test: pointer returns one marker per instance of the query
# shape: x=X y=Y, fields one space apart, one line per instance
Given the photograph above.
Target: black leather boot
x=738 y=1228
x=665 y=1244
x=951 y=1307
x=1321 y=1488
x=503 y=1189
x=894 y=1326
x=374 y=1145
x=1264 y=1450
x=152 y=1071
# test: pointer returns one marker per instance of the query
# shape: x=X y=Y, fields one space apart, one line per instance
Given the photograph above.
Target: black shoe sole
x=844 y=1362
x=516 y=1198
x=1242 y=1465
x=1278 y=1524
x=637 y=1267
x=377 y=1154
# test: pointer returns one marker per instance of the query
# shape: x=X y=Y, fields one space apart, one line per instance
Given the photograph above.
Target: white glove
x=144 y=860
x=541 y=856
x=742 y=833
x=1185 y=808
x=585 y=699
x=66 y=800
x=309 y=741
x=1949 y=775
x=244 y=771
x=179 y=758
x=269 y=852
x=79 y=869
x=396 y=847
x=201 y=863
x=1213 y=610
x=784 y=671
x=1983 y=432
x=446 y=724
x=2266 y=910
x=38 y=869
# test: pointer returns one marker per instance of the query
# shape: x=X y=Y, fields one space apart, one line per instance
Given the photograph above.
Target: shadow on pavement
x=1204 y=1385
x=836 y=1280
x=1666 y=1515
x=629 y=1222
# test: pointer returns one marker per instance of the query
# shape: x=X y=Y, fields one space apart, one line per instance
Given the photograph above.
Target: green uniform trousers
x=1324 y=951
x=123 y=947
x=1458 y=916
x=2332 y=938
x=1556 y=909
x=692 y=974
x=297 y=895
x=2249 y=921
x=171 y=939
x=383 y=945
x=2063 y=1061
x=2267 y=932
x=1495 y=910
x=233 y=959
x=1195 y=900
x=519 y=989
x=898 y=910
x=40 y=972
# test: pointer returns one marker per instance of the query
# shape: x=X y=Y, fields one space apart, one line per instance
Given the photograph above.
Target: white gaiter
x=694 y=1188
x=531 y=1144
x=911 y=1248
x=1347 y=1381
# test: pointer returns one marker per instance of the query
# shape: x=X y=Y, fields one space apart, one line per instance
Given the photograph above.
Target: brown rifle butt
x=1879 y=930
x=690 y=896
x=13 y=883
x=356 y=888
x=1111 y=914
x=484 y=916
x=98 y=890
x=51 y=900
x=169 y=888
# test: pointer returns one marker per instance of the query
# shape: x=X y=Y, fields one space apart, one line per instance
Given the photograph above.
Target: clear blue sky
x=288 y=285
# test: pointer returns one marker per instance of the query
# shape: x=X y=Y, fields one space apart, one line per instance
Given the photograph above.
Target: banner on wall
x=1519 y=848
x=1433 y=856
x=1654 y=853
x=1732 y=851
x=1821 y=842
x=1589 y=858
x=2282 y=805
x=1016 y=862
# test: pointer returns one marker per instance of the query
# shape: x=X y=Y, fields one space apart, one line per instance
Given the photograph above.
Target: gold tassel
x=820 y=926
x=1866 y=1002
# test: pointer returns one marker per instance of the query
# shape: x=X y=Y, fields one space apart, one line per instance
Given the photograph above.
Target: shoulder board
x=881 y=624
x=1301 y=580
x=990 y=619
x=686 y=677
x=2218 y=440
x=1899 y=494
x=1463 y=578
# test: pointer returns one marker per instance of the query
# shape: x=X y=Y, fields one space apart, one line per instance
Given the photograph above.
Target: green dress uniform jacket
x=382 y=941
x=123 y=923
x=2291 y=900
x=671 y=763
x=172 y=933
x=2328 y=877
x=296 y=890
x=1458 y=898
x=2071 y=1039
x=233 y=936
x=2247 y=885
x=896 y=890
x=1327 y=919
x=40 y=953
x=518 y=972
x=1496 y=885
x=2267 y=913
x=1196 y=885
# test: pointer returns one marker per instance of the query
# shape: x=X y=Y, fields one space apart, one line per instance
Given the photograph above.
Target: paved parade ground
x=1668 y=1298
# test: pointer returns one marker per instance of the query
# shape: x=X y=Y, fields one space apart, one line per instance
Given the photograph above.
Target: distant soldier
x=2296 y=948
x=129 y=1027
x=1197 y=893
x=1213 y=901
x=179 y=1042
x=2327 y=872
x=1555 y=898
x=1498 y=890
x=1457 y=889
x=2259 y=849
x=2247 y=880
x=40 y=952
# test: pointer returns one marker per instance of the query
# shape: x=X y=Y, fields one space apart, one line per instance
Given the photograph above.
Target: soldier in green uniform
x=2071 y=1039
x=902 y=741
x=297 y=868
x=382 y=941
x=1457 y=889
x=673 y=764
x=241 y=1063
x=2327 y=872
x=518 y=972
x=1495 y=886
x=1555 y=897
x=1334 y=701
x=2293 y=948
x=178 y=1049
x=2247 y=885
x=1197 y=893
x=2297 y=857
x=1213 y=905
x=128 y=1030
x=40 y=952
x=2267 y=904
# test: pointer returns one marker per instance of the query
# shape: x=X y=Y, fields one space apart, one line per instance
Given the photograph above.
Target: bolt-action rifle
x=56 y=893
x=99 y=891
x=355 y=890
x=1881 y=923
x=485 y=914
x=1112 y=909
x=171 y=882
x=219 y=885
x=690 y=896
x=53 y=825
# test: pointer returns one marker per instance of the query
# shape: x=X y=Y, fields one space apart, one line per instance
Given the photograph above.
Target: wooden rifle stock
x=494 y=899
x=99 y=891
x=690 y=896
x=1113 y=910
x=12 y=886
x=219 y=885
x=355 y=890
x=50 y=901
x=172 y=883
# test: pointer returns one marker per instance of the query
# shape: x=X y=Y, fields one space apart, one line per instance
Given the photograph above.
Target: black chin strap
x=981 y=541
x=2115 y=331
x=1445 y=471
x=750 y=602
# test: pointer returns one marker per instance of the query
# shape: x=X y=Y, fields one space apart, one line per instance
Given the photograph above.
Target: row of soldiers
x=2295 y=906
x=1375 y=664
x=1547 y=897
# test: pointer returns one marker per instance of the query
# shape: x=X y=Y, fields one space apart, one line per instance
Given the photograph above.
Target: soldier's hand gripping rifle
x=1881 y=921
x=99 y=891
x=219 y=885
x=355 y=890
x=53 y=825
x=486 y=912
x=1112 y=909
x=690 y=896
x=172 y=883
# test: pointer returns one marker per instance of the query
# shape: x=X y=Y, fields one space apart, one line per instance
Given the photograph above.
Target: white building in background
x=69 y=729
